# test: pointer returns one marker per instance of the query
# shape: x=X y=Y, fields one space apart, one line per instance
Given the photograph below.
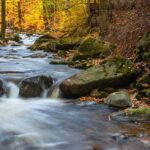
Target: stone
x=93 y=47
x=49 y=43
x=132 y=115
x=118 y=99
x=13 y=43
x=116 y=72
x=35 y=86
x=3 y=88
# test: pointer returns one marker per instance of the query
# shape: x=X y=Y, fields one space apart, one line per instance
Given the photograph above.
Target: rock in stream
x=116 y=72
x=34 y=86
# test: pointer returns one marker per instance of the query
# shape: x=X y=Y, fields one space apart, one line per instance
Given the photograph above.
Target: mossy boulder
x=143 y=49
x=143 y=86
x=144 y=43
x=34 y=86
x=46 y=42
x=115 y=72
x=119 y=99
x=49 y=43
x=139 y=114
x=13 y=37
x=68 y=43
x=144 y=79
x=143 y=93
x=93 y=47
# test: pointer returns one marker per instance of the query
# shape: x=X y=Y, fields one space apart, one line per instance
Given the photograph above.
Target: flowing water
x=54 y=123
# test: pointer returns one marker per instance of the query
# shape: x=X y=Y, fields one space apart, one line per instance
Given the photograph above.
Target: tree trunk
x=20 y=15
x=3 y=21
x=45 y=18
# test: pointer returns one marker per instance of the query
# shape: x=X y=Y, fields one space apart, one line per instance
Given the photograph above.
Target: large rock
x=49 y=43
x=119 y=99
x=2 y=88
x=93 y=47
x=34 y=86
x=112 y=73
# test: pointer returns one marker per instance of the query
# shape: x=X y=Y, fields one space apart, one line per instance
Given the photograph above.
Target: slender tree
x=45 y=15
x=3 y=16
x=20 y=15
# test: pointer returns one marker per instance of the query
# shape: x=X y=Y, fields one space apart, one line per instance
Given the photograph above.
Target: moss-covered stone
x=148 y=93
x=119 y=99
x=68 y=43
x=144 y=43
x=92 y=47
x=143 y=49
x=111 y=73
x=34 y=86
x=144 y=79
x=45 y=44
x=140 y=115
x=49 y=43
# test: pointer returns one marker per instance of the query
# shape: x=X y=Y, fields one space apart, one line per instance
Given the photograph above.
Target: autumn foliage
x=41 y=15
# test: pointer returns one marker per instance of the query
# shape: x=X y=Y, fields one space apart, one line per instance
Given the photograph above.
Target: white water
x=13 y=90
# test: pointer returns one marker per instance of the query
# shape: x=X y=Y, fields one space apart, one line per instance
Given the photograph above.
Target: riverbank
x=98 y=57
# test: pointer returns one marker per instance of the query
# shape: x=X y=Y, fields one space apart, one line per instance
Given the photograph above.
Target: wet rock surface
x=116 y=72
x=132 y=115
x=3 y=89
x=34 y=86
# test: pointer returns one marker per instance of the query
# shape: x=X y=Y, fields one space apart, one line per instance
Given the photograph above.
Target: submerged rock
x=112 y=73
x=3 y=89
x=34 y=86
x=140 y=115
x=119 y=99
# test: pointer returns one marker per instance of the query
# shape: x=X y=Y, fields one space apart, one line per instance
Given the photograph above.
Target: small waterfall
x=13 y=90
x=55 y=91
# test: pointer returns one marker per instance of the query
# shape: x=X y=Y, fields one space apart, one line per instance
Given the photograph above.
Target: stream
x=54 y=123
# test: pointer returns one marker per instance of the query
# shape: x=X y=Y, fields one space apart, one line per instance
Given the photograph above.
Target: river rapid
x=53 y=123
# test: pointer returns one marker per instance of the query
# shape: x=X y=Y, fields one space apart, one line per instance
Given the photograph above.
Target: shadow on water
x=54 y=123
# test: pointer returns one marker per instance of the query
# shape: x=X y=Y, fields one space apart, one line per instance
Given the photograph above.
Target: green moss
x=92 y=46
x=148 y=93
x=140 y=112
x=144 y=42
x=80 y=57
x=144 y=79
x=121 y=64
x=52 y=44
x=143 y=48
x=70 y=40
